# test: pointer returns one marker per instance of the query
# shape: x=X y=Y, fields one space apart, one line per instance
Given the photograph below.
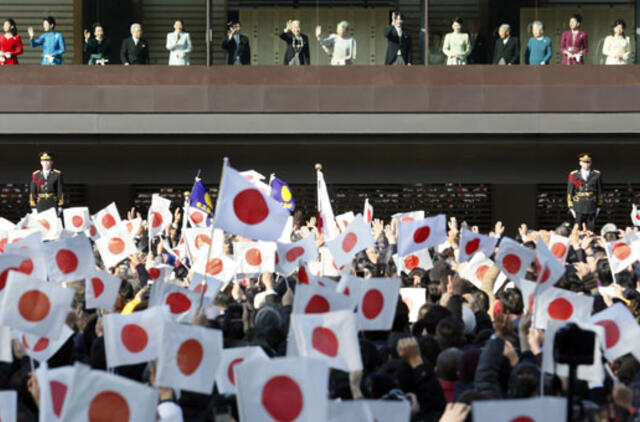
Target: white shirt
x=585 y=174
x=136 y=40
x=506 y=40
x=46 y=173
x=399 y=31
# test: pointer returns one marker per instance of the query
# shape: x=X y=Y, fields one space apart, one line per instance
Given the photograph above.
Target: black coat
x=243 y=51
x=395 y=43
x=304 y=56
x=134 y=54
x=509 y=51
x=46 y=193
x=584 y=196
x=478 y=53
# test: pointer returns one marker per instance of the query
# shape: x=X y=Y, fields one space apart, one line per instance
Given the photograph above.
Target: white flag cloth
x=526 y=288
x=471 y=242
x=183 y=303
x=42 y=348
x=623 y=252
x=76 y=219
x=33 y=306
x=283 y=389
x=115 y=246
x=343 y=220
x=353 y=239
x=377 y=304
x=10 y=262
x=561 y=305
x=9 y=406
x=420 y=234
x=246 y=211
x=221 y=268
x=54 y=385
x=326 y=266
x=100 y=396
x=389 y=410
x=404 y=217
x=101 y=290
x=225 y=376
x=593 y=372
x=291 y=255
x=635 y=215
x=106 y=219
x=326 y=219
x=350 y=286
x=315 y=299
x=513 y=258
x=254 y=257
x=414 y=298
x=349 y=410
x=367 y=213
x=196 y=217
x=550 y=268
x=35 y=264
x=330 y=336
x=210 y=284
x=6 y=352
x=559 y=246
x=159 y=216
x=418 y=259
x=621 y=331
x=540 y=409
x=199 y=239
x=132 y=338
x=131 y=227
x=92 y=232
x=158 y=272
x=69 y=259
x=49 y=224
x=476 y=268
x=189 y=357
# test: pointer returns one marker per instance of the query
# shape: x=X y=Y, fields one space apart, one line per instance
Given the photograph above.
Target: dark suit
x=134 y=54
x=303 y=53
x=242 y=51
x=46 y=193
x=397 y=43
x=478 y=53
x=584 y=197
x=510 y=51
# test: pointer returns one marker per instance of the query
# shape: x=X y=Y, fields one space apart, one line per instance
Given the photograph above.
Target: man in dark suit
x=46 y=186
x=479 y=46
x=297 y=45
x=399 y=50
x=135 y=50
x=507 y=50
x=236 y=45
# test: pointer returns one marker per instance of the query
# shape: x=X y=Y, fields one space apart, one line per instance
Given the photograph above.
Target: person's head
x=537 y=28
x=48 y=24
x=399 y=19
x=343 y=29
x=524 y=381
x=618 y=27
x=504 y=30
x=436 y=39
x=98 y=31
x=136 y=30
x=447 y=364
x=10 y=26
x=178 y=25
x=295 y=27
x=46 y=161
x=585 y=161
x=449 y=333
x=456 y=25
x=234 y=26
x=575 y=21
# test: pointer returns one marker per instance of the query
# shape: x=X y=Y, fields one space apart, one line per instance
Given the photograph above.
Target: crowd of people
x=457 y=48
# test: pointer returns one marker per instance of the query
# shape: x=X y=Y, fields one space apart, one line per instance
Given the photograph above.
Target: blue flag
x=201 y=200
x=280 y=192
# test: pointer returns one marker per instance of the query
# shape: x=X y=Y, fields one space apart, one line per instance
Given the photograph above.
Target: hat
x=233 y=22
x=584 y=156
x=45 y=156
x=608 y=228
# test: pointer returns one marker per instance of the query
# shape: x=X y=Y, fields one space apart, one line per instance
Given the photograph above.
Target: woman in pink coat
x=575 y=43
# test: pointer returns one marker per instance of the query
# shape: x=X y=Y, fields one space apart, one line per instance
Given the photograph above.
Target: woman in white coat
x=179 y=45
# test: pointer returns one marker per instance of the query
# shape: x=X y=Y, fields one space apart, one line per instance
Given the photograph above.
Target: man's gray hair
x=506 y=27
x=537 y=24
x=344 y=25
x=295 y=22
x=135 y=26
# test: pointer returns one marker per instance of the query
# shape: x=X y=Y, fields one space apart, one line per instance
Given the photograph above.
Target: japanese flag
x=367 y=213
x=42 y=348
x=92 y=232
x=550 y=268
x=189 y=357
x=471 y=242
x=100 y=396
x=623 y=252
x=377 y=304
x=315 y=299
x=199 y=240
x=246 y=211
x=330 y=336
x=130 y=227
x=197 y=218
x=6 y=352
x=101 y=290
x=526 y=288
x=4 y=240
x=476 y=268
x=389 y=410
x=343 y=220
x=349 y=286
x=254 y=257
x=561 y=305
x=211 y=284
x=106 y=219
x=414 y=298
x=76 y=219
x=53 y=385
x=326 y=266
x=291 y=255
x=403 y=217
x=33 y=261
x=9 y=406
x=69 y=259
x=540 y=409
x=513 y=258
x=132 y=338
x=225 y=376
x=420 y=234
x=355 y=238
x=158 y=272
x=326 y=221
x=159 y=215
x=349 y=410
x=621 y=331
x=418 y=259
x=221 y=268
x=283 y=389
x=114 y=247
x=635 y=215
x=19 y=263
x=183 y=303
x=559 y=246
x=18 y=236
x=49 y=224
x=256 y=179
x=33 y=306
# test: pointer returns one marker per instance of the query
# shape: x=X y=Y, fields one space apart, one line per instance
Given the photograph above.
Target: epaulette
x=575 y=172
x=56 y=171
x=596 y=171
x=35 y=172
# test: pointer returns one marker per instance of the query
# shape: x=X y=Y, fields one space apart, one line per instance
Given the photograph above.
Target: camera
x=573 y=345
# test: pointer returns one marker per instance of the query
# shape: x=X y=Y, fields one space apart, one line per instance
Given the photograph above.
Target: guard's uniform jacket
x=46 y=192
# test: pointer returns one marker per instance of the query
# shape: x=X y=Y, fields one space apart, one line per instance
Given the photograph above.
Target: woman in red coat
x=10 y=43
x=574 y=43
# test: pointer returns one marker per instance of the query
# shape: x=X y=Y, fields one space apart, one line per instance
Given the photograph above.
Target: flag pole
x=613 y=274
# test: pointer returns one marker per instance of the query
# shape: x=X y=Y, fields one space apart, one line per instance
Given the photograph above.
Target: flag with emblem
x=33 y=261
x=189 y=357
x=282 y=389
x=540 y=409
x=221 y=268
x=343 y=220
x=414 y=298
x=42 y=348
x=183 y=303
x=621 y=331
x=199 y=240
x=159 y=216
x=471 y=242
x=326 y=219
x=559 y=246
x=158 y=272
x=49 y=224
x=513 y=258
x=9 y=405
x=76 y=219
x=101 y=290
x=291 y=255
x=106 y=219
x=415 y=235
x=561 y=305
x=316 y=299
x=115 y=246
x=355 y=238
x=229 y=358
x=69 y=259
x=377 y=304
x=281 y=192
x=367 y=213
x=476 y=268
x=549 y=267
x=53 y=385
x=254 y=257
x=200 y=205
x=623 y=252
x=418 y=259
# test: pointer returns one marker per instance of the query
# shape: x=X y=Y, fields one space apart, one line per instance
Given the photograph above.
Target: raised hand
x=87 y=35
x=408 y=349
x=318 y=31
x=30 y=31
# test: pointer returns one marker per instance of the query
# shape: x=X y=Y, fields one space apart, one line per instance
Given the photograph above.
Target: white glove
x=7 y=55
x=597 y=211
x=59 y=211
x=572 y=212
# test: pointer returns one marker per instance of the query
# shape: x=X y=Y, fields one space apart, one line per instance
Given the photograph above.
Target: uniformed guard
x=584 y=192
x=46 y=186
